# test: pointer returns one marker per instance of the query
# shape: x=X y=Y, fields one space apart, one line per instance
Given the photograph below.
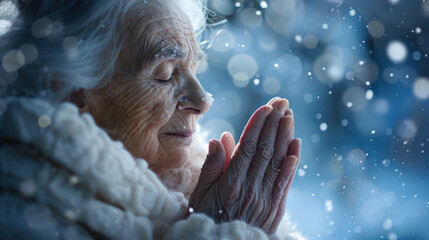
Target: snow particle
x=418 y=30
x=369 y=94
x=44 y=121
x=301 y=172
x=397 y=51
x=328 y=206
x=323 y=127
x=74 y=179
x=256 y=81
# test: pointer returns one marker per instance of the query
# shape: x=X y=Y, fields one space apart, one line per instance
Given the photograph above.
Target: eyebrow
x=170 y=53
x=177 y=52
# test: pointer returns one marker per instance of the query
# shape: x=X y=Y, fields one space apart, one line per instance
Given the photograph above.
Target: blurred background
x=356 y=73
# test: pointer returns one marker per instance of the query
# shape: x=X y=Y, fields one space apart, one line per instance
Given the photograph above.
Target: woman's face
x=154 y=99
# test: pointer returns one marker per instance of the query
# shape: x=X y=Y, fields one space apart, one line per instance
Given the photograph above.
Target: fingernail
x=212 y=146
x=290 y=111
x=292 y=161
x=282 y=106
x=272 y=100
x=267 y=110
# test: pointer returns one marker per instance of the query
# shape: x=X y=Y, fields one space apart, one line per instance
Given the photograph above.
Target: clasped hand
x=250 y=181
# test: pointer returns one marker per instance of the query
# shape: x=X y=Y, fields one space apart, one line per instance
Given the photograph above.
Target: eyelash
x=165 y=81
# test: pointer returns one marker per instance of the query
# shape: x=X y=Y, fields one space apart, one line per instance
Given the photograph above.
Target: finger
x=294 y=150
x=246 y=147
x=228 y=143
x=289 y=112
x=273 y=100
x=279 y=193
x=266 y=142
x=212 y=169
x=295 y=147
x=284 y=137
x=279 y=215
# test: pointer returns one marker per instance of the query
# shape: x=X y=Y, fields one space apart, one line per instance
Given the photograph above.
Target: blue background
x=356 y=74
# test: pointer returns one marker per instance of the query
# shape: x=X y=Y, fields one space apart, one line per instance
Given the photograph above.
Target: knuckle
x=275 y=163
x=266 y=151
x=249 y=147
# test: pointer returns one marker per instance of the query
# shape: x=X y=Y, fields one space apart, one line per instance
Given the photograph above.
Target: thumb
x=212 y=168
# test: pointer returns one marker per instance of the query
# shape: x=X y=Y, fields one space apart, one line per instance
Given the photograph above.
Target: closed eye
x=164 y=71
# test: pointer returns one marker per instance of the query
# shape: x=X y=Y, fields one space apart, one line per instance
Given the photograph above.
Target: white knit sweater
x=62 y=177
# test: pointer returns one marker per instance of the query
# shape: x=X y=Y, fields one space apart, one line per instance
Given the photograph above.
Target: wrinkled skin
x=250 y=181
x=154 y=99
x=152 y=104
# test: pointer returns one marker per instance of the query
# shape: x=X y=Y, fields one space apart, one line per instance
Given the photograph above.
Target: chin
x=171 y=159
x=179 y=157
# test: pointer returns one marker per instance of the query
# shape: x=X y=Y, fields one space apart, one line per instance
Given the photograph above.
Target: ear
x=77 y=97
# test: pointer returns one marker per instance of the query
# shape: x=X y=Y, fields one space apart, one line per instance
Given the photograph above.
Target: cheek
x=138 y=112
x=143 y=105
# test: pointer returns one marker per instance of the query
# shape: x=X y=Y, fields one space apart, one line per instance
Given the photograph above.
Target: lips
x=185 y=135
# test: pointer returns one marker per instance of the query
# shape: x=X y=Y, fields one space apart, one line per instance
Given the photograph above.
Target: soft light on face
x=154 y=99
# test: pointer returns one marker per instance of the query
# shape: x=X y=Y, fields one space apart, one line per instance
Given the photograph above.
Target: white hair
x=55 y=47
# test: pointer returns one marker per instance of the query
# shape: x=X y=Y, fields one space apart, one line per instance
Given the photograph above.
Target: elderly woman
x=97 y=138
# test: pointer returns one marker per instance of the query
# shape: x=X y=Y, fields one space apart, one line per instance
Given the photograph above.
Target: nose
x=194 y=99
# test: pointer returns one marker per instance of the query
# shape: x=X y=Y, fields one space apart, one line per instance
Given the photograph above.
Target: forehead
x=160 y=29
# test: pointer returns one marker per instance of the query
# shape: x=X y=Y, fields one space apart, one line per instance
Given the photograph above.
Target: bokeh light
x=397 y=51
x=271 y=85
x=245 y=66
x=421 y=88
